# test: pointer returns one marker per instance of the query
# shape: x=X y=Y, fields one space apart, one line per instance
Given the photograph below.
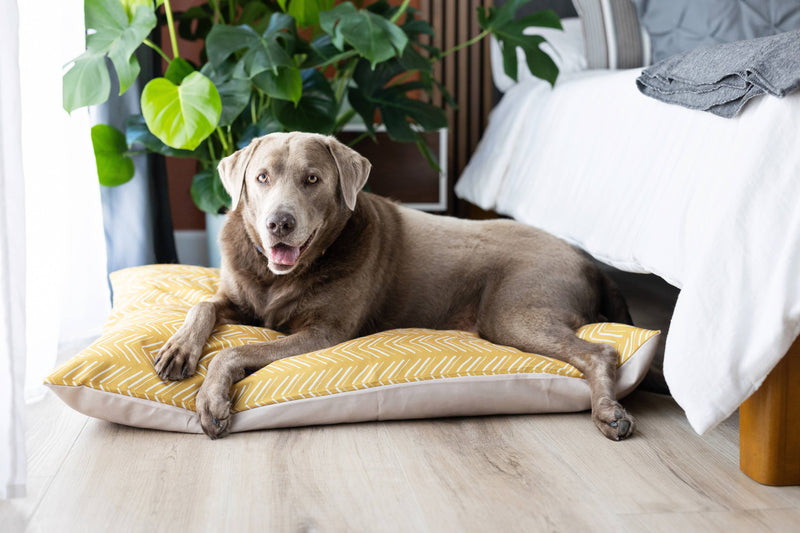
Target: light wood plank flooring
x=506 y=473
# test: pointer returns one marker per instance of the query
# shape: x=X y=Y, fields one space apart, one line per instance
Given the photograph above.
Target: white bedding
x=712 y=205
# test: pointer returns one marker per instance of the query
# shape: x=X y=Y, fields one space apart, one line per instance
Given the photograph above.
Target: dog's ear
x=353 y=170
x=232 y=168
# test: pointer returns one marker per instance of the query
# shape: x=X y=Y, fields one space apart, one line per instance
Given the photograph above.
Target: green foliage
x=137 y=134
x=235 y=93
x=181 y=116
x=177 y=70
x=307 y=13
x=375 y=38
x=315 y=111
x=114 y=167
x=114 y=35
x=259 y=74
x=509 y=33
x=207 y=191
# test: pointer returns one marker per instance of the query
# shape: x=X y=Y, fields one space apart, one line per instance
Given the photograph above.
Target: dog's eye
x=263 y=178
x=312 y=179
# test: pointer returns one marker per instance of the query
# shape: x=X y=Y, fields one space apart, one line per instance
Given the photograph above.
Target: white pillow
x=566 y=48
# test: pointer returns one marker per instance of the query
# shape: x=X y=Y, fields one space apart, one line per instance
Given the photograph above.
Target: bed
x=709 y=204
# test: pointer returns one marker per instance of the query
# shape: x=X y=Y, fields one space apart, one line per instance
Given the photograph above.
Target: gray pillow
x=679 y=25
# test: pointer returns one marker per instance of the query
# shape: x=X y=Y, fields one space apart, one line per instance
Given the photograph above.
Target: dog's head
x=290 y=188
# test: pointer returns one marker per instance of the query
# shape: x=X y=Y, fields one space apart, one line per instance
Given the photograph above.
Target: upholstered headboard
x=679 y=25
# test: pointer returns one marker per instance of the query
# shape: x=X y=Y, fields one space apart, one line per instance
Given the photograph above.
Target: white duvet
x=712 y=205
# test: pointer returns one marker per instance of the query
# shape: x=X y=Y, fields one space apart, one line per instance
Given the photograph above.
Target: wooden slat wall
x=466 y=75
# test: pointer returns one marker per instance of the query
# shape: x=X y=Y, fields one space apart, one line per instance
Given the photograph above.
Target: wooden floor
x=514 y=473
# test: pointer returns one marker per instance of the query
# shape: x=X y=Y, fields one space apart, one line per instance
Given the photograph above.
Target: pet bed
x=398 y=374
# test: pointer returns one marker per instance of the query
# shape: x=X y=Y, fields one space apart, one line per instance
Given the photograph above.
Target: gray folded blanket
x=721 y=78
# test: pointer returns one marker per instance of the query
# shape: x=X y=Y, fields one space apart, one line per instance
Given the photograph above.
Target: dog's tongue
x=283 y=254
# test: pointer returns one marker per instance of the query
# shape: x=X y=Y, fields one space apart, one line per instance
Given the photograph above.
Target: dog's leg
x=213 y=402
x=544 y=332
x=178 y=358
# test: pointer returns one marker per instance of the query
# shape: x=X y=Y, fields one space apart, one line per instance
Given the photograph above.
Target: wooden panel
x=463 y=87
x=185 y=215
x=769 y=425
x=399 y=170
x=467 y=77
x=448 y=33
x=475 y=82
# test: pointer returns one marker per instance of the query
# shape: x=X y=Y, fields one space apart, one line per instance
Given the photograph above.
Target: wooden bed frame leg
x=769 y=425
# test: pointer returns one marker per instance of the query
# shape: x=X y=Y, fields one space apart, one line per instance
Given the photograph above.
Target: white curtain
x=12 y=266
x=55 y=247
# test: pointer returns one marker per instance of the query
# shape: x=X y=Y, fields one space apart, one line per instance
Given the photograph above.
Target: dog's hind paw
x=214 y=410
x=612 y=420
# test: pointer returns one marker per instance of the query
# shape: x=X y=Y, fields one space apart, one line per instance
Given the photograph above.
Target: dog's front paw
x=214 y=409
x=612 y=420
x=177 y=359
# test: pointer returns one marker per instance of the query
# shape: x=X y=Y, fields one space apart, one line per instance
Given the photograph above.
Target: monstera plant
x=267 y=66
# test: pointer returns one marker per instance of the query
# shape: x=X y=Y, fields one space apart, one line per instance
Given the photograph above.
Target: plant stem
x=400 y=11
x=253 y=116
x=336 y=59
x=472 y=41
x=171 y=26
x=263 y=103
x=217 y=13
x=223 y=141
x=158 y=50
x=343 y=119
x=344 y=80
x=358 y=139
x=210 y=144
x=403 y=77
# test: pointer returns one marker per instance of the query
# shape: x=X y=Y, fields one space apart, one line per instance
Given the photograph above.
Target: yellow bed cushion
x=404 y=373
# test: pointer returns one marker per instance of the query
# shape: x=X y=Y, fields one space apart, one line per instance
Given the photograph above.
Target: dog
x=305 y=251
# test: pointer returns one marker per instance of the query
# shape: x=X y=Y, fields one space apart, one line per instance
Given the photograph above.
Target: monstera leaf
x=316 y=110
x=266 y=58
x=208 y=192
x=374 y=37
x=136 y=133
x=399 y=112
x=131 y=5
x=306 y=12
x=114 y=167
x=181 y=116
x=234 y=93
x=286 y=83
x=509 y=34
x=116 y=31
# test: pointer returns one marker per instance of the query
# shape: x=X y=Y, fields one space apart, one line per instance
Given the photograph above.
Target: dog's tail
x=612 y=304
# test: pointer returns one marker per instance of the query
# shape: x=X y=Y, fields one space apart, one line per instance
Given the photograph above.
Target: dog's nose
x=281 y=224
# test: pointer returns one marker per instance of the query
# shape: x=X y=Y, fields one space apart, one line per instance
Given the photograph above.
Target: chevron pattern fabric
x=411 y=355
x=151 y=302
